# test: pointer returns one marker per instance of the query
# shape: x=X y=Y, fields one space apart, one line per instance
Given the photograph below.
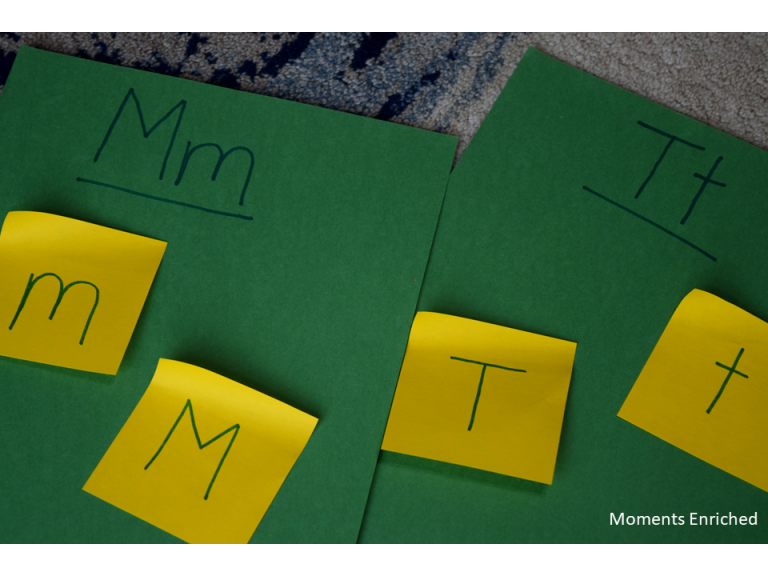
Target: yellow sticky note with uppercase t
x=72 y=291
x=704 y=388
x=481 y=395
x=201 y=456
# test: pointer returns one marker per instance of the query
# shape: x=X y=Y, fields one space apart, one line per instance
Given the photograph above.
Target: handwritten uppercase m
x=181 y=106
x=200 y=443
x=62 y=291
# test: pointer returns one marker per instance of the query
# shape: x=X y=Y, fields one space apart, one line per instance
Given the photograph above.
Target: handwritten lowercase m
x=62 y=291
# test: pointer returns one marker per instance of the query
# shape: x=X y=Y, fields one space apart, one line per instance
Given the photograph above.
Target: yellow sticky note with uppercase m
x=704 y=388
x=481 y=395
x=201 y=456
x=72 y=291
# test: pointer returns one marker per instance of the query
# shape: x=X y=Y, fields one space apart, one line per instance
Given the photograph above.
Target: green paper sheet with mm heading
x=583 y=212
x=297 y=243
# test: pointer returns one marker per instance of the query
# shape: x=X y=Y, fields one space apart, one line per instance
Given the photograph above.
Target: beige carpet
x=718 y=79
x=444 y=82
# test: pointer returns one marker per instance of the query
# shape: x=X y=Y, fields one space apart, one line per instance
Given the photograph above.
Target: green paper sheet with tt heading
x=297 y=243
x=584 y=212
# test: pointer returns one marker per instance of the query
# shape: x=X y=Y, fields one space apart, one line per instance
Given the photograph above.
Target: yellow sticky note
x=481 y=395
x=705 y=387
x=201 y=456
x=72 y=291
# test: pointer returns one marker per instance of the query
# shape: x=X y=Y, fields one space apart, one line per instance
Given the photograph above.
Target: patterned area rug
x=443 y=82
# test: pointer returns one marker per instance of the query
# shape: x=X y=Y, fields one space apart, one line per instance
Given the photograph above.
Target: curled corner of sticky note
x=702 y=388
x=201 y=456
x=72 y=291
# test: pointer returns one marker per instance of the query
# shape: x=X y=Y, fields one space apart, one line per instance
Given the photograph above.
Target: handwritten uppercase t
x=481 y=395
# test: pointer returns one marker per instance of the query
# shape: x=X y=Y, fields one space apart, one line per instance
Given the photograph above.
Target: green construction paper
x=308 y=300
x=522 y=244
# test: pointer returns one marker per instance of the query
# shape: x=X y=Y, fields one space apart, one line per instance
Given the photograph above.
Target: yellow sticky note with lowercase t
x=482 y=396
x=201 y=456
x=705 y=387
x=72 y=291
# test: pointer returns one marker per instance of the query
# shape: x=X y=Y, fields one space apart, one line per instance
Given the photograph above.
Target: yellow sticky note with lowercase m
x=705 y=387
x=482 y=396
x=72 y=291
x=201 y=456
